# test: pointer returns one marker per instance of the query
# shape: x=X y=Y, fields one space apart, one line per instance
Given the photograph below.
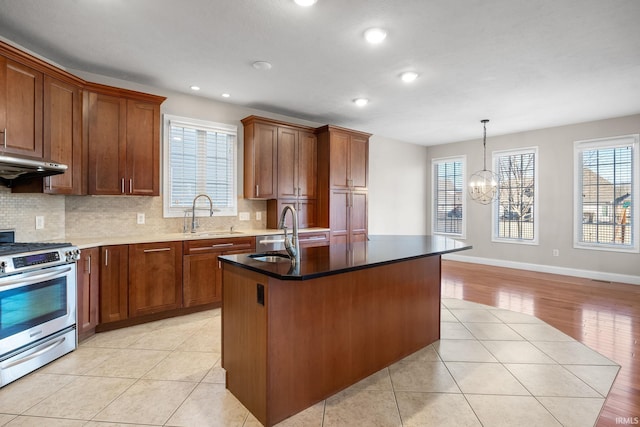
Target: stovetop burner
x=19 y=248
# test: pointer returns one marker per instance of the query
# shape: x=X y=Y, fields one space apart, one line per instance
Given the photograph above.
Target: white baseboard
x=589 y=274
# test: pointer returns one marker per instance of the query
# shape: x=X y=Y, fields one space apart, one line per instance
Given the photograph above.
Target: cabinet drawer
x=308 y=240
x=192 y=247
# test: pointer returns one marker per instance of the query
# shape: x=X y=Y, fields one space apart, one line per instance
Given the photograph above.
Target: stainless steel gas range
x=37 y=304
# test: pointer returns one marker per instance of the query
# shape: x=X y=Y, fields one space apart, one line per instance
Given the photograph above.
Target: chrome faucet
x=193 y=210
x=291 y=244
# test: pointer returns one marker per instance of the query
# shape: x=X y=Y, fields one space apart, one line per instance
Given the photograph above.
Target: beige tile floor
x=492 y=367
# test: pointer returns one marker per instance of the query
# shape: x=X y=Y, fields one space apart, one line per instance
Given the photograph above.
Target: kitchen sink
x=270 y=257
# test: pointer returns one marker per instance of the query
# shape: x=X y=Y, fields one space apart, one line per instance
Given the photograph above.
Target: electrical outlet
x=39 y=222
x=555 y=252
x=245 y=216
x=258 y=216
x=140 y=218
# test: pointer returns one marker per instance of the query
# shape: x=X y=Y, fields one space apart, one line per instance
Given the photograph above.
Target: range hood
x=17 y=169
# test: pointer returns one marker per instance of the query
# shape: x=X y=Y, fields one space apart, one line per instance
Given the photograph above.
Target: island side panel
x=244 y=338
x=326 y=334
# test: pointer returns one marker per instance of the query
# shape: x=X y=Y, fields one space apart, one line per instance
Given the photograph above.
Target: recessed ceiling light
x=375 y=35
x=262 y=65
x=408 y=76
x=196 y=88
x=361 y=102
x=305 y=3
x=226 y=95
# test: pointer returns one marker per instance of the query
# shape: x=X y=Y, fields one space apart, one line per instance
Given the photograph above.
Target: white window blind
x=607 y=193
x=200 y=158
x=515 y=218
x=448 y=196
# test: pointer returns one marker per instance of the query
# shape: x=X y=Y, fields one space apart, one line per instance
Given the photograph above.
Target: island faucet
x=193 y=210
x=291 y=244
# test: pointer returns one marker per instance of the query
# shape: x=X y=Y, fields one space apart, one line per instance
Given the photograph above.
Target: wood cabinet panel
x=21 y=109
x=202 y=274
x=307 y=175
x=260 y=159
x=124 y=145
x=114 y=283
x=107 y=144
x=155 y=277
x=339 y=160
x=143 y=148
x=88 y=283
x=62 y=136
x=358 y=162
x=287 y=163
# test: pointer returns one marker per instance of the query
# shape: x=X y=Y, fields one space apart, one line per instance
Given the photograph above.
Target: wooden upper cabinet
x=62 y=136
x=348 y=157
x=123 y=143
x=107 y=144
x=297 y=164
x=20 y=109
x=143 y=148
x=260 y=159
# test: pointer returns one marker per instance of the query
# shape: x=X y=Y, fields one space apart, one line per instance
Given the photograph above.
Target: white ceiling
x=523 y=64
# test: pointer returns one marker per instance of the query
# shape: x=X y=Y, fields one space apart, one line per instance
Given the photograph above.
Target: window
x=199 y=158
x=606 y=194
x=448 y=196
x=515 y=217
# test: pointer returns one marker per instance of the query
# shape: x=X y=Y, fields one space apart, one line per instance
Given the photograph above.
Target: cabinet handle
x=130 y=185
x=257 y=190
x=222 y=245
x=87 y=267
x=4 y=132
x=298 y=191
x=156 y=250
x=122 y=185
x=309 y=239
x=106 y=257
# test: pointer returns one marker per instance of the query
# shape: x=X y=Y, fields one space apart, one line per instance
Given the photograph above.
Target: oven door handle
x=34 y=277
x=35 y=352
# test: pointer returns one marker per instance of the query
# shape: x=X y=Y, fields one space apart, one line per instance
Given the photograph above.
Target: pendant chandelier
x=483 y=185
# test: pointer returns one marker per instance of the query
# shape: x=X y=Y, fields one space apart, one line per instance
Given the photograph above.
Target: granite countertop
x=92 y=242
x=335 y=259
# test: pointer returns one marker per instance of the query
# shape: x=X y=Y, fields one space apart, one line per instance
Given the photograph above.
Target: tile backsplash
x=19 y=211
x=69 y=217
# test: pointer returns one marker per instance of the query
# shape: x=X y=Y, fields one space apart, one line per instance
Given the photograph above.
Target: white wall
x=398 y=187
x=555 y=203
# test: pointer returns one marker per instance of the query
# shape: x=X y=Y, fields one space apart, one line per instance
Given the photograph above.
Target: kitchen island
x=294 y=335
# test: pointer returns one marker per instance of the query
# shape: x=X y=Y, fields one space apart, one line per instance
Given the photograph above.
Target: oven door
x=36 y=304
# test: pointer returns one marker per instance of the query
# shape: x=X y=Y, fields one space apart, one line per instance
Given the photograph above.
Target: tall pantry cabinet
x=343 y=180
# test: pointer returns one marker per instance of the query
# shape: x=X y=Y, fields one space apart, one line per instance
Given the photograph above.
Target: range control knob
x=3 y=265
x=73 y=255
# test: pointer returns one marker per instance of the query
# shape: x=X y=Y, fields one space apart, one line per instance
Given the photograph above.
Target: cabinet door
x=358 y=229
x=307 y=177
x=20 y=109
x=358 y=162
x=62 y=136
x=142 y=175
x=200 y=279
x=155 y=277
x=88 y=283
x=107 y=144
x=260 y=161
x=339 y=216
x=339 y=160
x=114 y=283
x=287 y=163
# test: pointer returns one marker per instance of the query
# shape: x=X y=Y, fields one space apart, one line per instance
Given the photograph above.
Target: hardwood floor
x=604 y=316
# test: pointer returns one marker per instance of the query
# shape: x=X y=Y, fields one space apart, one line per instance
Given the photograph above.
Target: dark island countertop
x=340 y=258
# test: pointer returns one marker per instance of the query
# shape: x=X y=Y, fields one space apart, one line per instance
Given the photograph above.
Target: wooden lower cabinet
x=114 y=283
x=88 y=288
x=348 y=212
x=202 y=272
x=155 y=277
